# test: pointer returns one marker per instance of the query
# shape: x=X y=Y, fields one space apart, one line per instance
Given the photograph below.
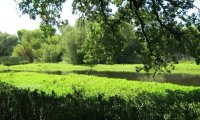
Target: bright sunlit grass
x=185 y=68
x=63 y=84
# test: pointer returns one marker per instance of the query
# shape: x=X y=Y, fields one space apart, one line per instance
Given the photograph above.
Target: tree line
x=79 y=44
x=87 y=43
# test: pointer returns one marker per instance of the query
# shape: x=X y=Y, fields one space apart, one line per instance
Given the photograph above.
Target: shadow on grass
x=26 y=105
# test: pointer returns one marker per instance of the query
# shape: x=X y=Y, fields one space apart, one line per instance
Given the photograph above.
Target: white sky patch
x=11 y=21
x=67 y=13
x=195 y=10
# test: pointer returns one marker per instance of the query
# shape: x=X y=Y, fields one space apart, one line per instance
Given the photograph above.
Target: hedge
x=24 y=104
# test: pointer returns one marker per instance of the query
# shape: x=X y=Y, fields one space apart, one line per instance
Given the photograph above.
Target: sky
x=11 y=21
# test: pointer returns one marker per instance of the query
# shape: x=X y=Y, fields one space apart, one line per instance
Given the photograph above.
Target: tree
x=88 y=44
x=7 y=44
x=132 y=47
x=50 y=50
x=29 y=44
x=167 y=19
x=192 y=34
x=35 y=47
x=73 y=38
x=112 y=47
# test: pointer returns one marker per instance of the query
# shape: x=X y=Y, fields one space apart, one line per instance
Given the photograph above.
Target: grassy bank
x=63 y=84
x=189 y=68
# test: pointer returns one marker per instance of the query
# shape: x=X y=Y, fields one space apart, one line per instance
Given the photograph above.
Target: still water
x=181 y=79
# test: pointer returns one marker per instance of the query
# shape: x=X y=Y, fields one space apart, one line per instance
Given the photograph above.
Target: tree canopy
x=7 y=44
x=36 y=48
x=161 y=25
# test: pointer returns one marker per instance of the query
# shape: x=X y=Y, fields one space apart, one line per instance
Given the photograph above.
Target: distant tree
x=29 y=44
x=192 y=33
x=7 y=44
x=111 y=46
x=87 y=43
x=38 y=48
x=73 y=38
x=132 y=47
x=51 y=51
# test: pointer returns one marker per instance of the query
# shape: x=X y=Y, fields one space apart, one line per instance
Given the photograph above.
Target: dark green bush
x=8 y=60
x=25 y=105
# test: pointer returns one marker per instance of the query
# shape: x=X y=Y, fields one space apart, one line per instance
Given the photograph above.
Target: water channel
x=180 y=79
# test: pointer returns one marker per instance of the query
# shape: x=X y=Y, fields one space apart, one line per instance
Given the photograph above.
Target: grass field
x=63 y=84
x=189 y=68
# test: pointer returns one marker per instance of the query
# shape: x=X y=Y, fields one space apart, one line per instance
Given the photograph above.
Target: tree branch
x=102 y=10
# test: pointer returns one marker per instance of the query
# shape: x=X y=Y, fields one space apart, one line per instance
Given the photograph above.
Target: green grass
x=48 y=67
x=189 y=68
x=70 y=67
x=63 y=84
x=2 y=67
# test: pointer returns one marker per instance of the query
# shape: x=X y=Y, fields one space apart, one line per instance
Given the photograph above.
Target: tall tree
x=7 y=44
x=29 y=44
x=35 y=47
x=73 y=38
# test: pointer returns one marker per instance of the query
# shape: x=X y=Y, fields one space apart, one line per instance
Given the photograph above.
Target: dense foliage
x=7 y=44
x=88 y=44
x=36 y=48
x=9 y=60
x=76 y=44
x=30 y=42
x=73 y=38
x=21 y=104
x=120 y=46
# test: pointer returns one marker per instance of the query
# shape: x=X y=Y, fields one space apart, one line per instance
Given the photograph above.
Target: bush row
x=26 y=105
x=9 y=60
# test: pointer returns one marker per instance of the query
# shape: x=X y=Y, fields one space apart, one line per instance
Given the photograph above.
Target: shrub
x=7 y=60
x=51 y=53
x=23 y=105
